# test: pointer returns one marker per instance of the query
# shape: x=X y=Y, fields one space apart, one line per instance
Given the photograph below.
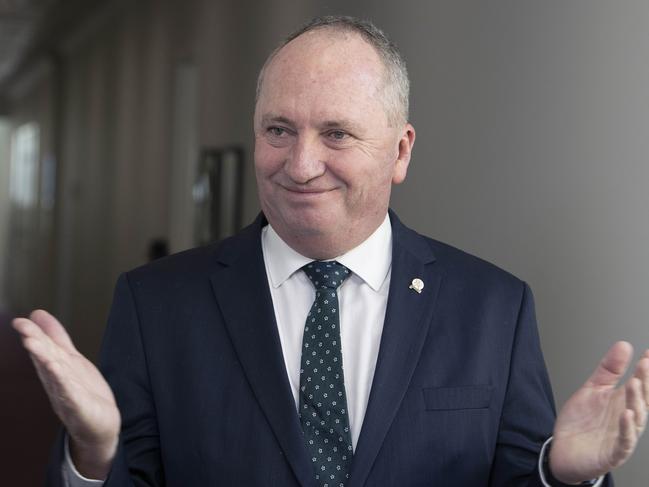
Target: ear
x=406 y=141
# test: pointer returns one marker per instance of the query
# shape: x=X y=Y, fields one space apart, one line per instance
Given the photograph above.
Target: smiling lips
x=306 y=192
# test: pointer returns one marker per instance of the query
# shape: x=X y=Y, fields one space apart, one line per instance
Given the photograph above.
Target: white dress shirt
x=363 y=299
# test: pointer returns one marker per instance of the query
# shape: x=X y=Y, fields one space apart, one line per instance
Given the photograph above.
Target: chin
x=311 y=223
x=309 y=226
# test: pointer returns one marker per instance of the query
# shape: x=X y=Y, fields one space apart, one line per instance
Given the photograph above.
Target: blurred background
x=126 y=133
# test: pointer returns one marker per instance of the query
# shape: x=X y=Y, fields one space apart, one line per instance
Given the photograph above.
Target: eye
x=337 y=135
x=276 y=131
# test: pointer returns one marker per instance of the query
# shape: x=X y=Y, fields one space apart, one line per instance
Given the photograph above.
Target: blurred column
x=4 y=205
x=184 y=122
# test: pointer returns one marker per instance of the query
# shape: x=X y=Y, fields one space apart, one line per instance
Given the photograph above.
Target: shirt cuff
x=71 y=477
x=546 y=445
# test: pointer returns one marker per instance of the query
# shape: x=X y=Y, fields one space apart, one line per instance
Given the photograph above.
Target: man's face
x=325 y=154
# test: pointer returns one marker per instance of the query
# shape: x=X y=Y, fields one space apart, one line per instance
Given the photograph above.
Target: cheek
x=372 y=186
x=267 y=161
x=369 y=174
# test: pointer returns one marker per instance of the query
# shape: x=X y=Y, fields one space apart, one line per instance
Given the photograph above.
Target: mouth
x=306 y=192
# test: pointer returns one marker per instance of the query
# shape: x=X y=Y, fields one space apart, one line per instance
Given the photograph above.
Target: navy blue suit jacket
x=460 y=396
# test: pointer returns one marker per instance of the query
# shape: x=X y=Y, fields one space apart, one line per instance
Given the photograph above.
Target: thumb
x=612 y=366
x=53 y=329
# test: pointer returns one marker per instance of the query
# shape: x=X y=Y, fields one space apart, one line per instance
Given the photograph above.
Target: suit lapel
x=406 y=325
x=241 y=289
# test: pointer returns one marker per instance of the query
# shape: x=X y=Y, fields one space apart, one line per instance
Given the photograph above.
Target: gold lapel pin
x=417 y=285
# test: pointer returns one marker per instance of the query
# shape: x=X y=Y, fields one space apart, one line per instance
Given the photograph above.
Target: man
x=226 y=361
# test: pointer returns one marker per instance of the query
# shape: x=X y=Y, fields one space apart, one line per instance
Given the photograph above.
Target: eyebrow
x=271 y=118
x=344 y=124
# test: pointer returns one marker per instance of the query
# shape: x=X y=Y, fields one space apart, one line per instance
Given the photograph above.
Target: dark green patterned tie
x=323 y=403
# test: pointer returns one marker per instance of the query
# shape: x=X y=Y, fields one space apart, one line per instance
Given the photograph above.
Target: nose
x=306 y=160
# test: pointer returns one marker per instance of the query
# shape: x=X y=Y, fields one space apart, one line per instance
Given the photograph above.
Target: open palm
x=599 y=426
x=80 y=396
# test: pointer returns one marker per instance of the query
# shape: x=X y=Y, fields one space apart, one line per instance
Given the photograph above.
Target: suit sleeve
x=123 y=362
x=528 y=412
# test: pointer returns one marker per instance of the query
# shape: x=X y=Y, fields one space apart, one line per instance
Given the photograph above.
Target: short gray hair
x=397 y=83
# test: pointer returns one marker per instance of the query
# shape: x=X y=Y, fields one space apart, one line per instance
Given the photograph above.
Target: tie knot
x=326 y=274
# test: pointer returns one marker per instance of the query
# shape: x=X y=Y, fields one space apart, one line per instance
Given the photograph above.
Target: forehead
x=324 y=71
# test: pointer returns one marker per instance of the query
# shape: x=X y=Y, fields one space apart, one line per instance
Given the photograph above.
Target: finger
x=612 y=366
x=47 y=368
x=47 y=357
x=49 y=349
x=41 y=349
x=25 y=326
x=53 y=370
x=28 y=329
x=635 y=402
x=642 y=373
x=58 y=389
x=47 y=372
x=627 y=439
x=54 y=374
x=53 y=328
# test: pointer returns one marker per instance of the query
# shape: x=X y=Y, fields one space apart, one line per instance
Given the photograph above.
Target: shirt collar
x=371 y=260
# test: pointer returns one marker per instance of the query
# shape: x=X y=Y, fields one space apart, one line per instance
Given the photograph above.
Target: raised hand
x=79 y=395
x=598 y=428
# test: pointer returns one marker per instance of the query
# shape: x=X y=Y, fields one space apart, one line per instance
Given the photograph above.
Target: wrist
x=93 y=459
x=549 y=472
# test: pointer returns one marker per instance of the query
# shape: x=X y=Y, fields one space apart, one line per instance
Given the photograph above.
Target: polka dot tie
x=323 y=403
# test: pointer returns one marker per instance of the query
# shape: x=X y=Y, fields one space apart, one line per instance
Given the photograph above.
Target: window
x=23 y=182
